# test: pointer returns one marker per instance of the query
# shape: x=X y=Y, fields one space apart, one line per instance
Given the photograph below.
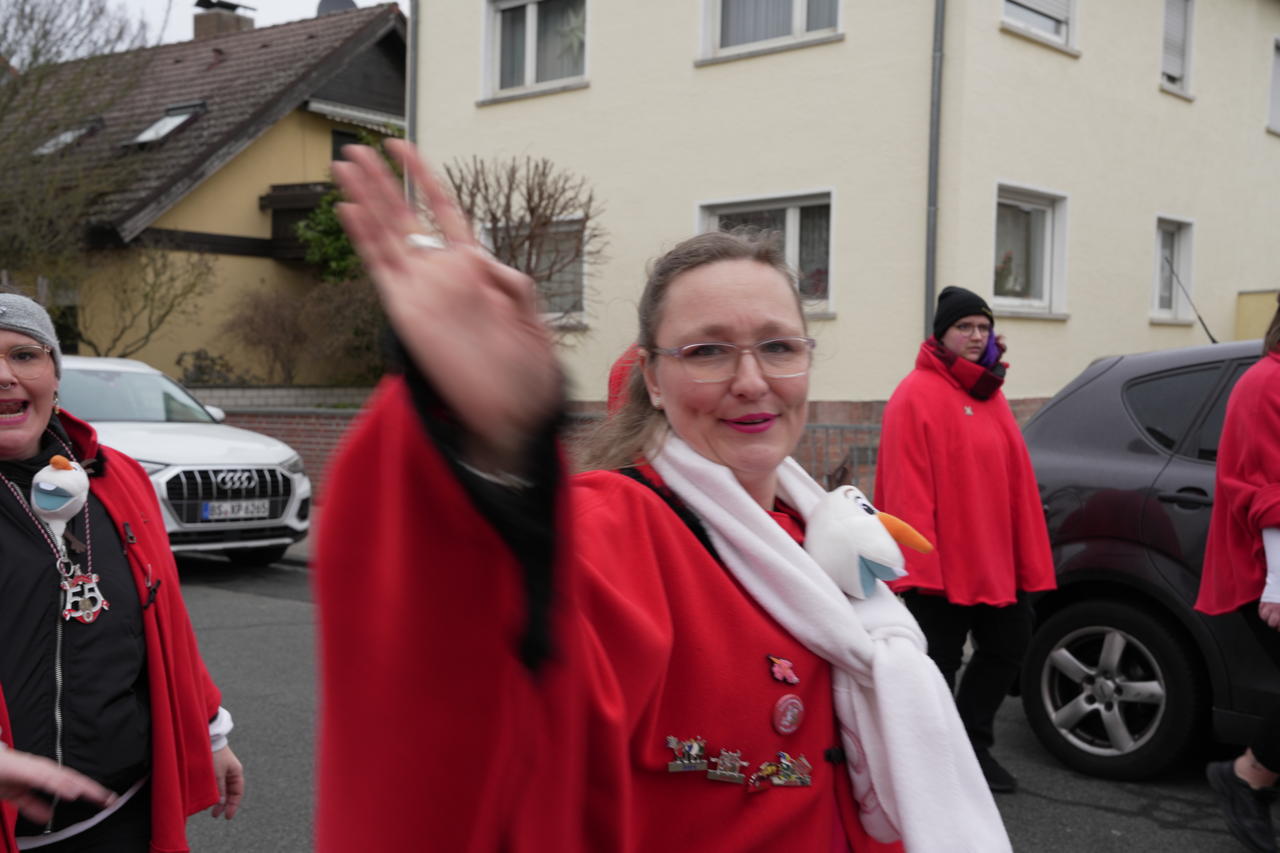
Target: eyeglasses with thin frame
x=28 y=361
x=716 y=361
x=968 y=329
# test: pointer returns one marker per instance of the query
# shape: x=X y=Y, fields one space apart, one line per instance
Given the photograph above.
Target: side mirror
x=216 y=413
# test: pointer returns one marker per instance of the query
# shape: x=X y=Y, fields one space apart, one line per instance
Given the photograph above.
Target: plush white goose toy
x=856 y=544
x=58 y=492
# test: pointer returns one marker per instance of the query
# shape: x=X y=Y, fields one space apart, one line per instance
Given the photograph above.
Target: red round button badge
x=788 y=714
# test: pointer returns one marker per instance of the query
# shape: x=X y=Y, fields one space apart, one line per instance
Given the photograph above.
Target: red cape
x=1246 y=495
x=183 y=696
x=956 y=469
x=434 y=735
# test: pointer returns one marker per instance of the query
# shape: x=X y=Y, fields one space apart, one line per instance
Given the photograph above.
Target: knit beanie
x=28 y=317
x=954 y=303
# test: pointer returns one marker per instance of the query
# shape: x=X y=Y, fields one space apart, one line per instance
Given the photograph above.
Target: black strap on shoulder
x=677 y=506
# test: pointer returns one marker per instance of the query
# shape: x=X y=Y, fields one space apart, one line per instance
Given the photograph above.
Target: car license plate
x=227 y=510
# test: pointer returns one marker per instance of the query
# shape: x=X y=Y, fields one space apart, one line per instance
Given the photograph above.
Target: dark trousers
x=128 y=830
x=1000 y=639
x=1266 y=740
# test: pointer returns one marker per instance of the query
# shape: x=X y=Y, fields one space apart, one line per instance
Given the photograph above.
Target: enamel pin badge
x=729 y=767
x=782 y=670
x=786 y=772
x=690 y=754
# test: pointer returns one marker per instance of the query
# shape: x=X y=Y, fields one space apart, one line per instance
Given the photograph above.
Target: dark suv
x=1123 y=674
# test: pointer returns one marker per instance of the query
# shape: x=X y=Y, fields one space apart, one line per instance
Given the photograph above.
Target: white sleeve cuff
x=1271 y=543
x=219 y=727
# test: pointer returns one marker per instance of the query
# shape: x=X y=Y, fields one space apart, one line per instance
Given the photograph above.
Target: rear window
x=112 y=395
x=1210 y=431
x=1164 y=406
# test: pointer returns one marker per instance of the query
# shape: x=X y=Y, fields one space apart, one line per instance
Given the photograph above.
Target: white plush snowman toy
x=59 y=491
x=856 y=544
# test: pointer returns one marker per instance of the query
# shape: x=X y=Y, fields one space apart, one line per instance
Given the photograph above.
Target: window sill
x=820 y=314
x=566 y=322
x=1039 y=38
x=1170 y=321
x=1177 y=92
x=1029 y=314
x=750 y=53
x=521 y=94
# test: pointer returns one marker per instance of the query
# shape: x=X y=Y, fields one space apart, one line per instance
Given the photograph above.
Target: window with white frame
x=804 y=223
x=1273 y=119
x=1176 y=58
x=537 y=42
x=554 y=255
x=739 y=23
x=1050 y=18
x=1029 y=251
x=560 y=271
x=67 y=137
x=175 y=118
x=1170 y=297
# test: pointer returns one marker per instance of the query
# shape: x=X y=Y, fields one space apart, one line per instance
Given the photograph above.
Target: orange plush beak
x=904 y=534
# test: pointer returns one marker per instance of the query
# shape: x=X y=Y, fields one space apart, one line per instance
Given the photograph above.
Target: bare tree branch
x=132 y=296
x=536 y=217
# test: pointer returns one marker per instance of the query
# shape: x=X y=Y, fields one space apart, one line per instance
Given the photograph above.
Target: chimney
x=218 y=17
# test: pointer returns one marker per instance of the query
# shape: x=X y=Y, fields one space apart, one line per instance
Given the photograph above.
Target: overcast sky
x=266 y=13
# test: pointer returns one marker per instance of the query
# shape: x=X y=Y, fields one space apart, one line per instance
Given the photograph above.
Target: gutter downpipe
x=411 y=78
x=935 y=134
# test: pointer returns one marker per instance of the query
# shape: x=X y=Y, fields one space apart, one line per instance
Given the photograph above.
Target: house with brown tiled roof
x=227 y=140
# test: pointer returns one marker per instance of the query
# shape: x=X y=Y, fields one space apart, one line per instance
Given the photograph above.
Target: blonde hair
x=637 y=427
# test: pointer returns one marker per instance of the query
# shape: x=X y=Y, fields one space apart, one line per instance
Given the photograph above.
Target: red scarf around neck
x=979 y=382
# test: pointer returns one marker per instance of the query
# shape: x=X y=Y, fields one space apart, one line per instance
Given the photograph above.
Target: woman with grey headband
x=99 y=670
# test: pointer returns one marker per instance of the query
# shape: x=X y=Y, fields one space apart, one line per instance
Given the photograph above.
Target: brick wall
x=280 y=396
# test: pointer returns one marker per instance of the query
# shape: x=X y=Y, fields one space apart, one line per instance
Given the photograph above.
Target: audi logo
x=237 y=480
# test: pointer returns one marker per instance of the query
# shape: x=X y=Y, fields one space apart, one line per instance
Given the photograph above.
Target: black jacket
x=104 y=706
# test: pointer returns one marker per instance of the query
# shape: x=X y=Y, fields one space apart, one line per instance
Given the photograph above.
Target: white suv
x=221 y=489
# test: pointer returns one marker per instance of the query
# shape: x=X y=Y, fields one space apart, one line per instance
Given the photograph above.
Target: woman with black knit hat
x=953 y=464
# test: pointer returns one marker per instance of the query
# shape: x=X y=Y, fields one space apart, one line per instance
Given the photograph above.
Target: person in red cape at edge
x=1242 y=572
x=99 y=667
x=952 y=464
x=640 y=657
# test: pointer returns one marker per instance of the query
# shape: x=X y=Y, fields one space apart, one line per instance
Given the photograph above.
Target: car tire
x=1112 y=690
x=257 y=557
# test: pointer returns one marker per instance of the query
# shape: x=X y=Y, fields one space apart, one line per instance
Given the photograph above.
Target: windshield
x=113 y=395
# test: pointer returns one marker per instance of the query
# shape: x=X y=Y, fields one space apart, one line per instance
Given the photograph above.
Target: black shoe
x=999 y=780
x=1246 y=810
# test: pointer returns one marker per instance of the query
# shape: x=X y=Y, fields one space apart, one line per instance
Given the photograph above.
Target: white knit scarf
x=914 y=773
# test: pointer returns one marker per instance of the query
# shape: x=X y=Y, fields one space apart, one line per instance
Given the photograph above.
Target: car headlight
x=152 y=467
x=293 y=464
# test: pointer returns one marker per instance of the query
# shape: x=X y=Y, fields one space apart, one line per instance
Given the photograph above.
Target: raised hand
x=470 y=324
x=24 y=777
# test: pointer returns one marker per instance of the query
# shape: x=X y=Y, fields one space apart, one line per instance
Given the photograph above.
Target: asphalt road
x=256 y=632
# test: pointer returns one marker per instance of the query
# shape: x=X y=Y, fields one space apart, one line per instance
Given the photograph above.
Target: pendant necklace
x=82 y=600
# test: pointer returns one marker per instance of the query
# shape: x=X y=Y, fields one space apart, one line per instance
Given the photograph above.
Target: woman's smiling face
x=749 y=423
x=25 y=404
